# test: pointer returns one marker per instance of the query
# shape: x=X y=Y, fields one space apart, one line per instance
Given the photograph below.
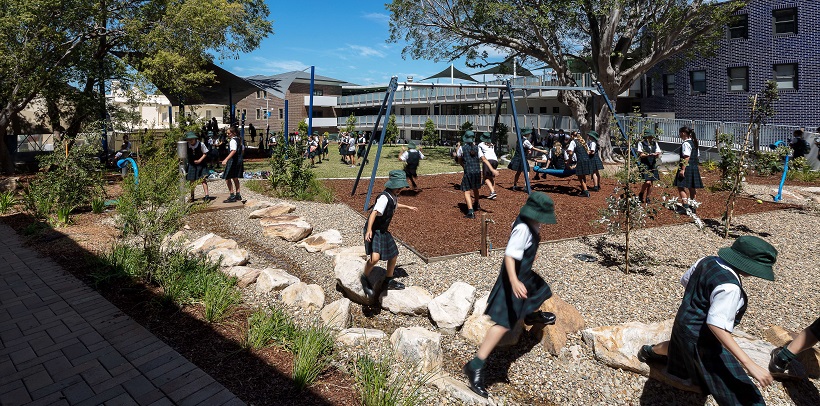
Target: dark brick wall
x=759 y=52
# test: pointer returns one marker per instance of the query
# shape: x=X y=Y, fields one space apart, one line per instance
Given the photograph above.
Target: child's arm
x=761 y=375
x=486 y=162
x=518 y=288
x=404 y=206
x=227 y=158
x=369 y=234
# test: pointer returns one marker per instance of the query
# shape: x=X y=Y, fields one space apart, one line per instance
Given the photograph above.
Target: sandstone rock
x=354 y=251
x=255 y=205
x=457 y=389
x=418 y=347
x=306 y=296
x=450 y=309
x=321 y=242
x=8 y=184
x=480 y=305
x=348 y=271
x=178 y=239
x=412 y=301
x=244 y=275
x=272 y=210
x=337 y=314
x=476 y=326
x=209 y=242
x=292 y=232
x=229 y=256
x=810 y=358
x=356 y=337
x=283 y=219
x=272 y=279
x=568 y=320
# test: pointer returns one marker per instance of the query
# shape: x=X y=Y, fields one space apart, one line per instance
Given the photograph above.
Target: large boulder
x=244 y=275
x=9 y=184
x=337 y=314
x=321 y=242
x=450 y=309
x=342 y=252
x=272 y=279
x=810 y=358
x=348 y=271
x=477 y=325
x=412 y=301
x=568 y=320
x=255 y=205
x=209 y=242
x=229 y=256
x=418 y=347
x=283 y=219
x=310 y=297
x=271 y=211
x=289 y=230
x=359 y=337
x=457 y=389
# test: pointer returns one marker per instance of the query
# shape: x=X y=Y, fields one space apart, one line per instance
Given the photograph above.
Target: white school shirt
x=201 y=145
x=486 y=150
x=724 y=302
x=686 y=149
x=351 y=146
x=571 y=146
x=520 y=240
x=381 y=204
x=232 y=145
x=563 y=153
x=527 y=144
x=640 y=147
x=592 y=145
x=404 y=155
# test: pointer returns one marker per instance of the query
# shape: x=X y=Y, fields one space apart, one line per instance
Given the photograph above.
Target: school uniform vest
x=693 y=159
x=413 y=158
x=649 y=148
x=472 y=164
x=381 y=223
x=194 y=153
x=558 y=161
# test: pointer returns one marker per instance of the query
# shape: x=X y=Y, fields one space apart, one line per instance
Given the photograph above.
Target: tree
x=617 y=40
x=350 y=124
x=63 y=51
x=392 y=130
x=430 y=135
x=466 y=126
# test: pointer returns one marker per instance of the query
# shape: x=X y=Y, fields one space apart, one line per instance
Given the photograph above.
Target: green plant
x=392 y=130
x=430 y=135
x=709 y=165
x=219 y=299
x=256 y=186
x=380 y=383
x=313 y=347
x=64 y=215
x=34 y=228
x=292 y=177
x=350 y=124
x=97 y=205
x=770 y=162
x=120 y=264
x=267 y=327
x=7 y=201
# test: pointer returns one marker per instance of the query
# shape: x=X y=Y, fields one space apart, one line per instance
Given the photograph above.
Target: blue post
x=779 y=196
x=170 y=115
x=617 y=120
x=233 y=108
x=526 y=164
x=394 y=82
x=310 y=107
x=286 y=135
x=382 y=108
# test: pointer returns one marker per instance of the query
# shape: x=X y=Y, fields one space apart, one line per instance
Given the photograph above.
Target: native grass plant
x=97 y=205
x=219 y=300
x=122 y=264
x=273 y=326
x=313 y=348
x=709 y=165
x=381 y=381
x=291 y=176
x=7 y=201
x=799 y=169
x=770 y=162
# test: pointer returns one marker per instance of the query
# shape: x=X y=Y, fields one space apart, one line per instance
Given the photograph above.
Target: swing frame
x=387 y=107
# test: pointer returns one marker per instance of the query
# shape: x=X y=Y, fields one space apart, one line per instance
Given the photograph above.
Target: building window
x=697 y=79
x=739 y=26
x=556 y=110
x=739 y=79
x=208 y=114
x=265 y=94
x=164 y=117
x=650 y=87
x=530 y=110
x=281 y=114
x=265 y=113
x=785 y=21
x=318 y=92
x=257 y=94
x=258 y=114
x=669 y=84
x=786 y=76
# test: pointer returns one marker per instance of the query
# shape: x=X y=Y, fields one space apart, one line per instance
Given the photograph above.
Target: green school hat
x=526 y=131
x=411 y=145
x=397 y=180
x=469 y=136
x=593 y=135
x=486 y=137
x=539 y=207
x=210 y=133
x=647 y=133
x=190 y=136
x=751 y=255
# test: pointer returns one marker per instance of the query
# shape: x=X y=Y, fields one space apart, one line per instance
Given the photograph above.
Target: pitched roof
x=278 y=84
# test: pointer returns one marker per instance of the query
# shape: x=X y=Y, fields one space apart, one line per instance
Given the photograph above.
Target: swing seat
x=558 y=173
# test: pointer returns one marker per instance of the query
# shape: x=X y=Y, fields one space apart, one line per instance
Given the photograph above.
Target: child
x=378 y=242
x=781 y=357
x=351 y=149
x=649 y=152
x=518 y=291
x=313 y=149
x=594 y=157
x=471 y=180
x=517 y=161
x=411 y=158
x=362 y=144
x=701 y=347
x=489 y=160
x=233 y=166
x=579 y=151
x=343 y=143
x=197 y=166
x=688 y=176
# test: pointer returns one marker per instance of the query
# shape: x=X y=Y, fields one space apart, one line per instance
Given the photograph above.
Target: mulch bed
x=440 y=229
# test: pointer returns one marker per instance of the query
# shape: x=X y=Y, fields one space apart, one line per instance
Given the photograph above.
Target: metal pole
x=391 y=90
x=310 y=108
x=285 y=135
x=497 y=116
x=170 y=116
x=370 y=142
x=484 y=244
x=233 y=108
x=524 y=161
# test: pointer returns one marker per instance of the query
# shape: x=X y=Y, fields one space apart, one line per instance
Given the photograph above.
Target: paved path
x=63 y=343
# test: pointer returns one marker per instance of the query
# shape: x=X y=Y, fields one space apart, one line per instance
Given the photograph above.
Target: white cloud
x=492 y=51
x=377 y=17
x=265 y=66
x=365 y=51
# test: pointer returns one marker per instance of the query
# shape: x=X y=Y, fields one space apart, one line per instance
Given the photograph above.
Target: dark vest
x=413 y=158
x=558 y=161
x=194 y=153
x=693 y=159
x=237 y=157
x=649 y=148
x=472 y=164
x=580 y=152
x=383 y=222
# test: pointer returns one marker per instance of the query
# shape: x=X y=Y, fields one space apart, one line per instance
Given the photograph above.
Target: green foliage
x=770 y=162
x=97 y=205
x=122 y=264
x=303 y=129
x=314 y=349
x=465 y=126
x=7 y=201
x=392 y=130
x=381 y=383
x=728 y=161
x=64 y=215
x=350 y=124
x=292 y=177
x=430 y=135
x=501 y=131
x=219 y=299
x=274 y=326
x=709 y=165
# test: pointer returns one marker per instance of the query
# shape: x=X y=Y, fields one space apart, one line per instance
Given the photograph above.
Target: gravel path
x=599 y=290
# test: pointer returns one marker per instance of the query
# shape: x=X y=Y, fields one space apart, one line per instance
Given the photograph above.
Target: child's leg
x=371 y=262
x=661 y=348
x=682 y=195
x=583 y=180
x=205 y=186
x=230 y=186
x=596 y=179
x=806 y=339
x=391 y=266
x=468 y=200
x=692 y=192
x=491 y=339
x=490 y=184
x=236 y=185
x=645 y=188
x=517 y=175
x=475 y=196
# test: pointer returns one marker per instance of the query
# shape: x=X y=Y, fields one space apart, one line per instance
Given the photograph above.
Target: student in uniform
x=471 y=180
x=688 y=175
x=489 y=162
x=197 y=168
x=800 y=147
x=702 y=348
x=595 y=158
x=313 y=149
x=517 y=161
x=378 y=242
x=233 y=166
x=519 y=291
x=411 y=158
x=361 y=143
x=649 y=153
x=343 y=143
x=578 y=150
x=351 y=149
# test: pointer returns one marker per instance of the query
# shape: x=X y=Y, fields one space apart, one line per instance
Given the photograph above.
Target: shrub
x=274 y=327
x=64 y=215
x=381 y=384
x=97 y=205
x=291 y=176
x=219 y=299
x=121 y=264
x=313 y=347
x=7 y=201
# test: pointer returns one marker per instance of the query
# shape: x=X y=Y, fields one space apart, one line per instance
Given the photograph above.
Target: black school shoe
x=539 y=317
x=647 y=355
x=476 y=379
x=778 y=365
x=231 y=199
x=368 y=290
x=393 y=284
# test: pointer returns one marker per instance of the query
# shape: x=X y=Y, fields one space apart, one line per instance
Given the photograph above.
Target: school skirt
x=196 y=172
x=815 y=327
x=486 y=169
x=584 y=166
x=691 y=178
x=505 y=309
x=516 y=164
x=361 y=152
x=382 y=243
x=233 y=170
x=648 y=173
x=470 y=181
x=411 y=172
x=597 y=163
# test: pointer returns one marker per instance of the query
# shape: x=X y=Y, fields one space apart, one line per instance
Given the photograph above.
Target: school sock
x=786 y=355
x=476 y=363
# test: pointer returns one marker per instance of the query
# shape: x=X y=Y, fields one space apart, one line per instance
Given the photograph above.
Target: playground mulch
x=439 y=227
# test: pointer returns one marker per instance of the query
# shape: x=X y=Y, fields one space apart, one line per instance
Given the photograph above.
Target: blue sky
x=344 y=39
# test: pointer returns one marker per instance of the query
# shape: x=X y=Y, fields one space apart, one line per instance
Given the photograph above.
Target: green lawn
x=437 y=161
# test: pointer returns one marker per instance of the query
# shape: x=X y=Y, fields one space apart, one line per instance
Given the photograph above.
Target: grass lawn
x=437 y=161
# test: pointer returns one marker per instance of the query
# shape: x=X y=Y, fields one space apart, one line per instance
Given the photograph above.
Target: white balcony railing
x=322 y=101
x=481 y=122
x=324 y=121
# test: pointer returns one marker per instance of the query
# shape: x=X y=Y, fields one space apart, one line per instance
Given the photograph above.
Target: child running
x=378 y=242
x=471 y=181
x=411 y=158
x=233 y=166
x=579 y=150
x=197 y=165
x=489 y=161
x=518 y=291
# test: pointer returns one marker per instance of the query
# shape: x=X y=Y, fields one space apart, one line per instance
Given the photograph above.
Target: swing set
x=386 y=109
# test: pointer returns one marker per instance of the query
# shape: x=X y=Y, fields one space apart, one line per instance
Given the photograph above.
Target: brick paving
x=62 y=343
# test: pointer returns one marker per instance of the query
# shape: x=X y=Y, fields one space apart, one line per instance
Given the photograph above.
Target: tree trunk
x=6 y=162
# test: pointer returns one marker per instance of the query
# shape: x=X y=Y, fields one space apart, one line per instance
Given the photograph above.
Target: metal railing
x=481 y=122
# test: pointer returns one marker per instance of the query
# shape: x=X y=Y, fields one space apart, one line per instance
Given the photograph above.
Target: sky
x=343 y=39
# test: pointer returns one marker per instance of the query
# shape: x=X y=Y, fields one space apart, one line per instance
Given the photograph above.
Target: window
x=530 y=110
x=265 y=94
x=258 y=114
x=556 y=110
x=739 y=26
x=208 y=114
x=669 y=84
x=739 y=79
x=697 y=79
x=542 y=110
x=318 y=92
x=785 y=21
x=257 y=94
x=281 y=114
x=164 y=117
x=265 y=113
x=786 y=76
x=650 y=87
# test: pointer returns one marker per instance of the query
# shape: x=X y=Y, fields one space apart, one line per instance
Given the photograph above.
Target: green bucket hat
x=210 y=133
x=411 y=145
x=539 y=207
x=486 y=137
x=315 y=133
x=648 y=133
x=397 y=180
x=526 y=131
x=469 y=136
x=593 y=135
x=190 y=136
x=751 y=255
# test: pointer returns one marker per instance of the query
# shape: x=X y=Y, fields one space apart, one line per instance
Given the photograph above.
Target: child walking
x=595 y=159
x=579 y=150
x=517 y=162
x=378 y=242
x=783 y=356
x=471 y=181
x=702 y=348
x=197 y=168
x=233 y=166
x=489 y=161
x=648 y=152
x=688 y=176
x=518 y=291
x=411 y=158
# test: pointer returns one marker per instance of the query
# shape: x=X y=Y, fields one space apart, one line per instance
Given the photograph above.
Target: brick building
x=768 y=40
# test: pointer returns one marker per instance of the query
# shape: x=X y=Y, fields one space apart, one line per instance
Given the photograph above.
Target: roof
x=506 y=68
x=278 y=84
x=452 y=72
